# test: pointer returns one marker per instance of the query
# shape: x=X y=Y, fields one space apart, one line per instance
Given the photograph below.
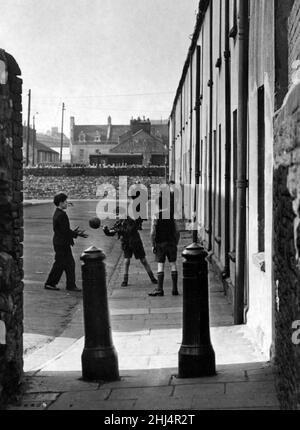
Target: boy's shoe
x=76 y=289
x=125 y=281
x=51 y=287
x=156 y=293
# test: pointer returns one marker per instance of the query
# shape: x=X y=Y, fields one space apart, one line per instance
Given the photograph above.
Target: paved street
x=47 y=313
x=147 y=334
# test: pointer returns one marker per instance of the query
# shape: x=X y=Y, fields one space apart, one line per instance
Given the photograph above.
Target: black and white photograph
x=149 y=208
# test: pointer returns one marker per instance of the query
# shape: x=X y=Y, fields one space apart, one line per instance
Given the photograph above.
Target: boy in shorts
x=165 y=237
x=131 y=243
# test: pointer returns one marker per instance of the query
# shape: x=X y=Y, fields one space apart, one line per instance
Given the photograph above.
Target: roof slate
x=41 y=147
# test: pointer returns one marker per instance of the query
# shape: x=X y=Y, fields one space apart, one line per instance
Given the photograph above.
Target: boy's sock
x=174 y=283
x=159 y=290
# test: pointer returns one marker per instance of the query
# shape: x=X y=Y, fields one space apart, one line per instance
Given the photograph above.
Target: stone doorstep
x=35 y=401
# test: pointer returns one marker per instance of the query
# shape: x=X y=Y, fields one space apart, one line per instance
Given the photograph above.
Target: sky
x=122 y=58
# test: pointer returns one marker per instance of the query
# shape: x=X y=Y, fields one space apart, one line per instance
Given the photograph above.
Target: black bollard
x=99 y=358
x=196 y=355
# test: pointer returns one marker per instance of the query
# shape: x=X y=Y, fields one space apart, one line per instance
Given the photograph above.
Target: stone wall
x=287 y=247
x=76 y=187
x=11 y=229
x=95 y=172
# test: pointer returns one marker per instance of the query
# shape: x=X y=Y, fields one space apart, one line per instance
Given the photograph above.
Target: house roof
x=41 y=147
x=53 y=141
x=90 y=132
x=140 y=142
x=160 y=129
x=118 y=132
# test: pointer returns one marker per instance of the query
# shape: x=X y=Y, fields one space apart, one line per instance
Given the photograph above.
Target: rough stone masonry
x=287 y=225
x=11 y=228
x=287 y=247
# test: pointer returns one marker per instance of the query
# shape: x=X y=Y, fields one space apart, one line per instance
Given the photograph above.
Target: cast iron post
x=196 y=355
x=99 y=358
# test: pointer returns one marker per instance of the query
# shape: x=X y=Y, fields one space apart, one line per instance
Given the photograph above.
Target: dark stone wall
x=11 y=229
x=95 y=172
x=77 y=187
x=287 y=248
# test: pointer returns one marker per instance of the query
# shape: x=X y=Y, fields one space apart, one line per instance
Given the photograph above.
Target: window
x=81 y=136
x=220 y=185
x=234 y=178
x=201 y=161
x=3 y=73
x=219 y=60
x=206 y=214
x=97 y=137
x=214 y=184
x=234 y=29
x=261 y=169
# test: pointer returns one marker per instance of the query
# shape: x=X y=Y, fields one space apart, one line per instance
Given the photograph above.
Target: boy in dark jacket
x=63 y=239
x=131 y=243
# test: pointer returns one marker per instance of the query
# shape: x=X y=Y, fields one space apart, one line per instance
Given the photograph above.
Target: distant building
x=53 y=140
x=45 y=155
x=38 y=153
x=141 y=142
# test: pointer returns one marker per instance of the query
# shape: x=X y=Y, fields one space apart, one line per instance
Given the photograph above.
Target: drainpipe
x=191 y=137
x=226 y=272
x=182 y=126
x=174 y=148
x=172 y=128
x=197 y=152
x=181 y=139
x=242 y=183
x=191 y=117
x=210 y=84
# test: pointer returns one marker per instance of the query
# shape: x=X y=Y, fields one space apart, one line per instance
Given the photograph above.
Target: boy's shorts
x=166 y=250
x=136 y=249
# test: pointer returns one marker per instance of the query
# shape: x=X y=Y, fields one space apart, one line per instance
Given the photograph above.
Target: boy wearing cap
x=63 y=240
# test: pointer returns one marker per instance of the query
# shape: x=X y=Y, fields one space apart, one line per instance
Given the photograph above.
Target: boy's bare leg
x=148 y=270
x=126 y=272
x=159 y=290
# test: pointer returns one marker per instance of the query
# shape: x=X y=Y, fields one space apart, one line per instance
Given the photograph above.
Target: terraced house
x=142 y=142
x=234 y=130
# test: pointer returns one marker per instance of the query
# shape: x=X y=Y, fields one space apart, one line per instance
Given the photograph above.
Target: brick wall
x=11 y=228
x=294 y=35
x=287 y=247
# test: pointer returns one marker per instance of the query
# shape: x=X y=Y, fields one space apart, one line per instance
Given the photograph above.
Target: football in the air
x=95 y=223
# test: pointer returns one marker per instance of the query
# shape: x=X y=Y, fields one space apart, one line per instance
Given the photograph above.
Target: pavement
x=147 y=335
x=46 y=315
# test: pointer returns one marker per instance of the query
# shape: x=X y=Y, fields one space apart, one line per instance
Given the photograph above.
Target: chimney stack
x=108 y=128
